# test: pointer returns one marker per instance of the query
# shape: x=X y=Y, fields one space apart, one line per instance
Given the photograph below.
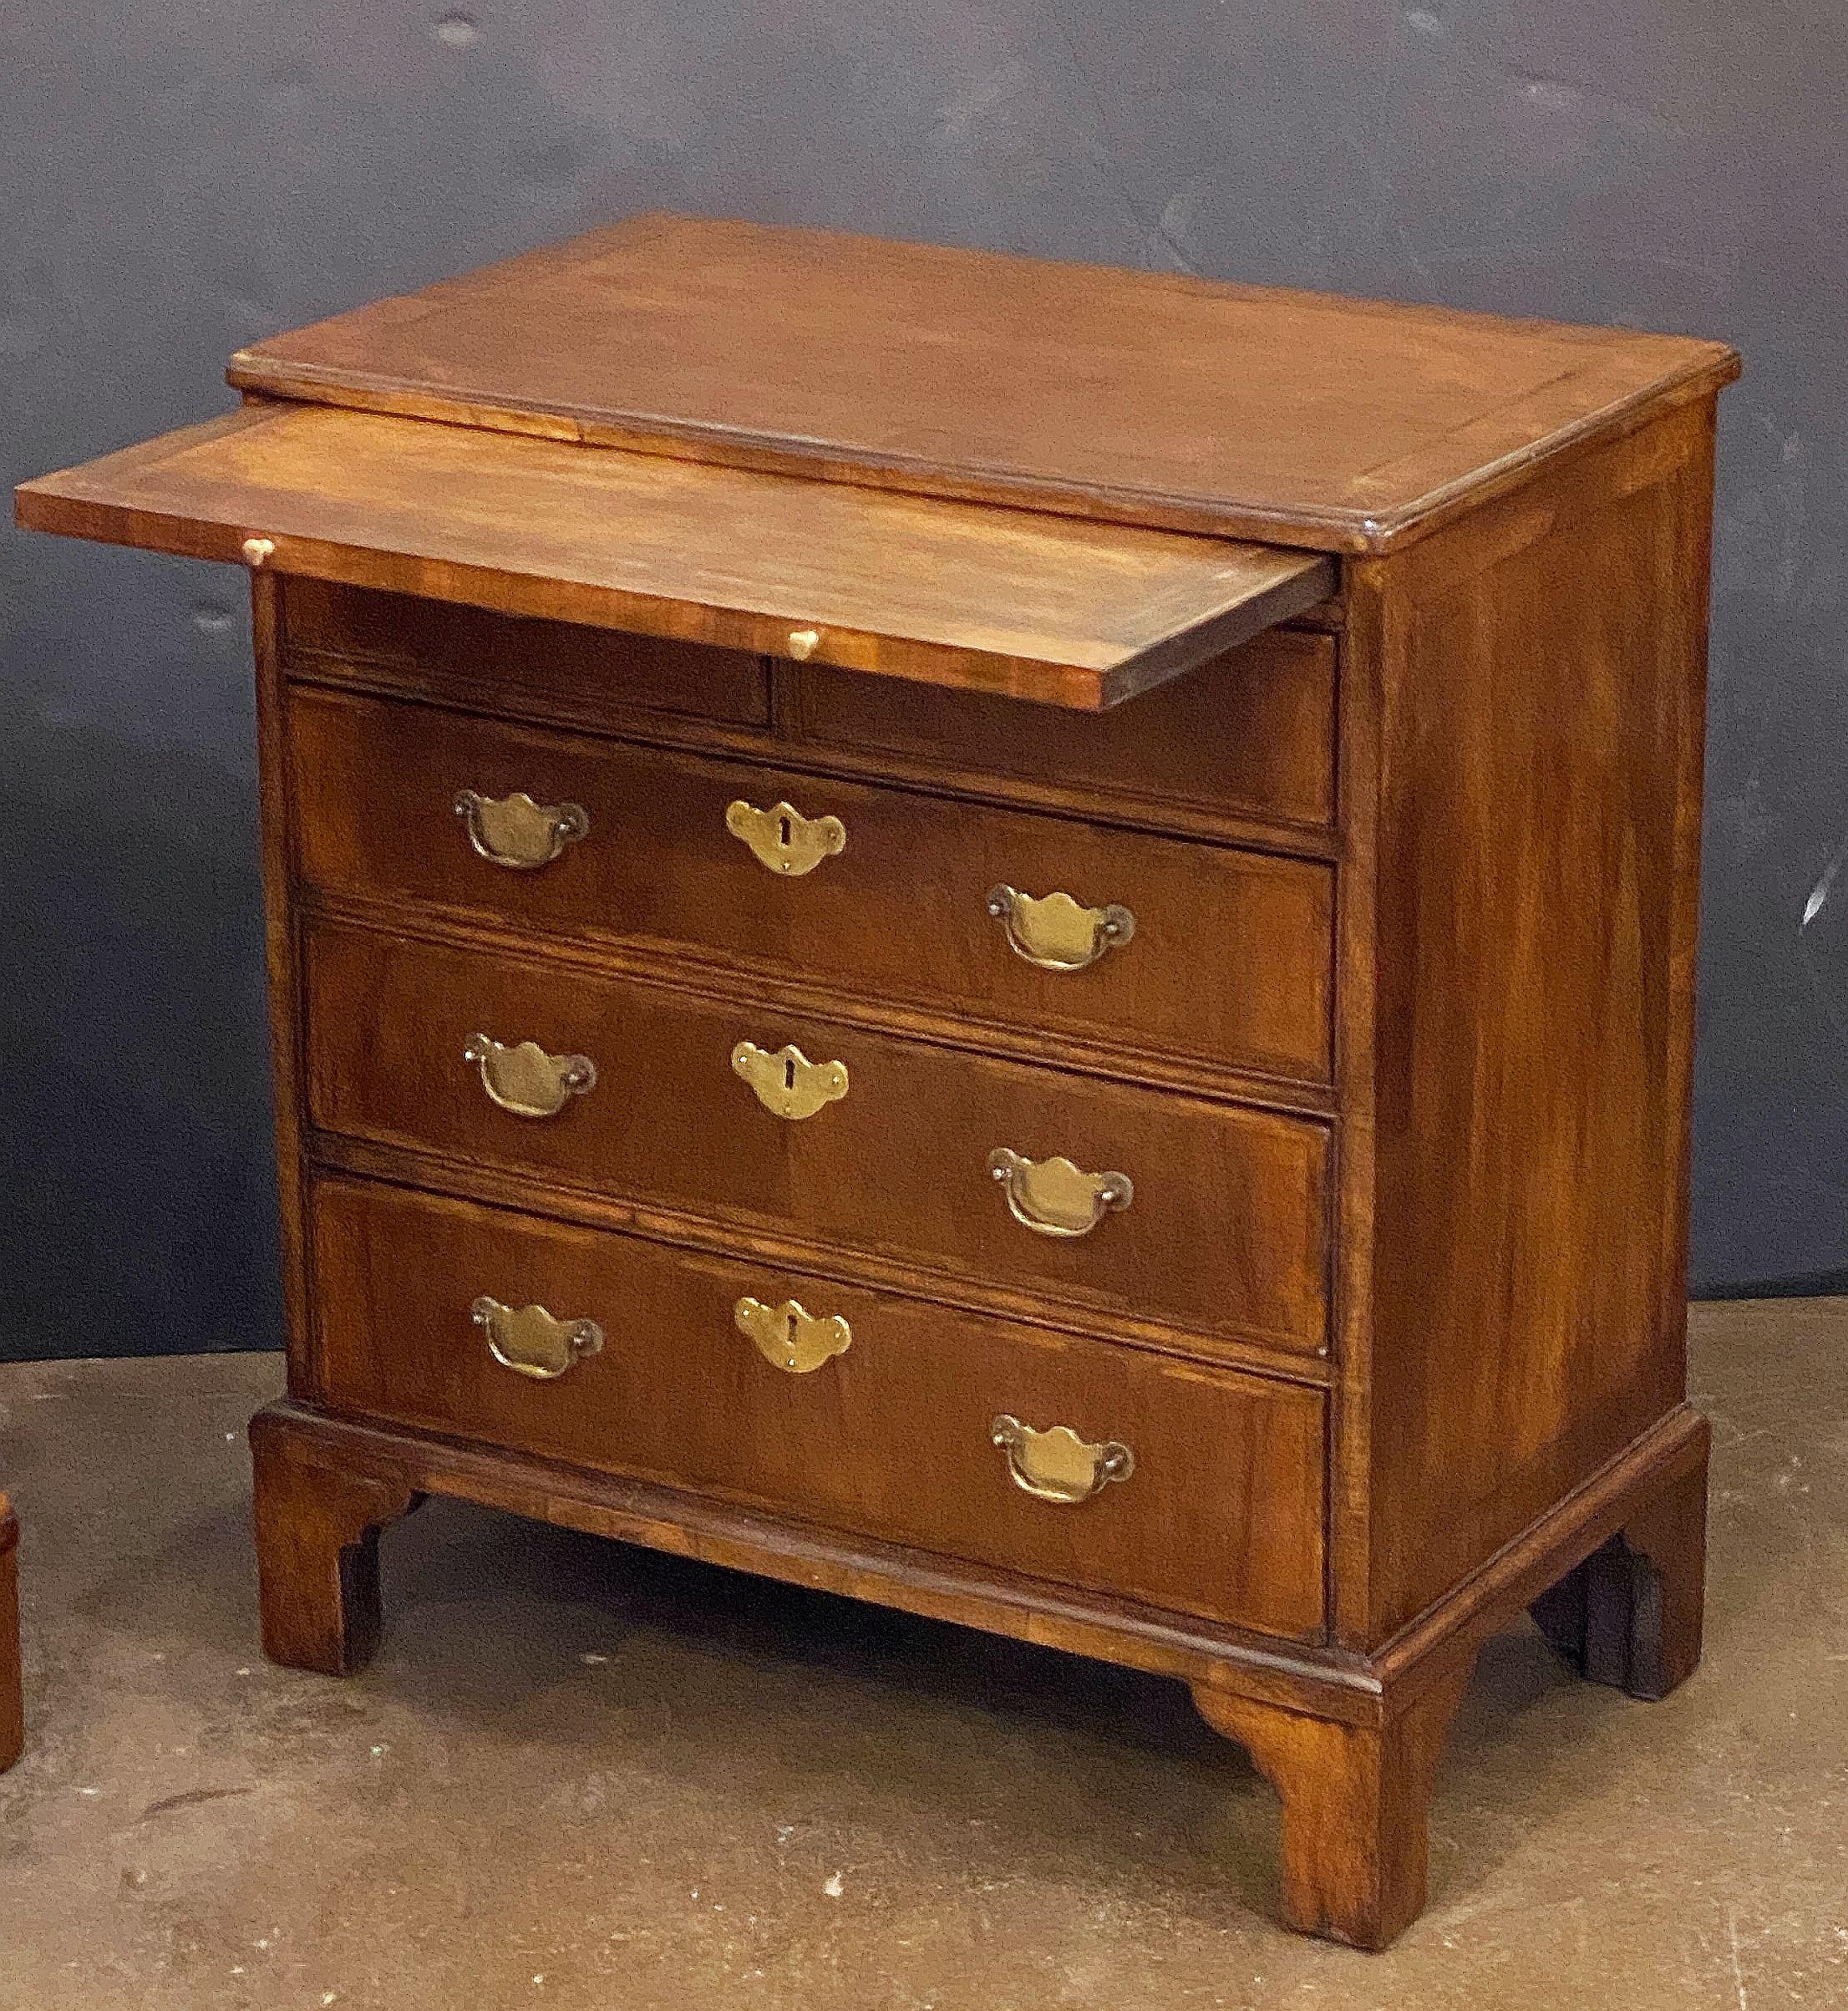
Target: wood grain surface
x=1014 y=601
x=600 y=677
x=1145 y=397
x=1542 y=670
x=1249 y=735
x=1242 y=747
x=1355 y=1804
x=1221 y=1517
x=1229 y=960
x=1226 y=1236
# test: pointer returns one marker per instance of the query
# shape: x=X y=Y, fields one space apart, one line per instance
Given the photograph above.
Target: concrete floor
x=585 y=1776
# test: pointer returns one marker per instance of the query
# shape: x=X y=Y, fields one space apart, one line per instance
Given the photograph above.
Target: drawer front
x=591 y=676
x=1223 y=1235
x=889 y=1433
x=1251 y=734
x=1227 y=960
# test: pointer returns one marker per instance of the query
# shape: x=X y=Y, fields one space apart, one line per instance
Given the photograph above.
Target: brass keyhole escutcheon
x=517 y=833
x=787 y=1083
x=789 y=1337
x=1056 y=1465
x=1054 y=932
x=530 y=1342
x=526 y=1080
x=783 y=839
x=1052 y=1197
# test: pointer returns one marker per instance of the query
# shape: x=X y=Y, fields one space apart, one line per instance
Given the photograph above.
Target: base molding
x=1350 y=1743
x=1671 y=1451
x=288 y=1436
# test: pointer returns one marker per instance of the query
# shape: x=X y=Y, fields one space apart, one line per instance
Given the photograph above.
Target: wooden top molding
x=1007 y=601
x=1140 y=397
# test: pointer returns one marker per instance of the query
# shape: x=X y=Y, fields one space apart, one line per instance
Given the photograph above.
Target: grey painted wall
x=180 y=176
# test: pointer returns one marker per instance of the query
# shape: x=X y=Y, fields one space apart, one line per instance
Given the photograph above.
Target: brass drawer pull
x=789 y=1339
x=1052 y=1197
x=1057 y=1464
x=783 y=839
x=516 y=832
x=530 y=1342
x=525 y=1080
x=787 y=1083
x=1054 y=932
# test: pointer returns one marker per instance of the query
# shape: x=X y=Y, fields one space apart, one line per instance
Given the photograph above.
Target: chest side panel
x=1542 y=679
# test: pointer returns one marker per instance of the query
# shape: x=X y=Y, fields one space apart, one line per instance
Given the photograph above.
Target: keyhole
x=789 y=1340
x=789 y=1073
x=782 y=831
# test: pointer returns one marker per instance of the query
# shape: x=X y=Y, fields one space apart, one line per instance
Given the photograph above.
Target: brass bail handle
x=1055 y=932
x=526 y=1080
x=1056 y=1465
x=530 y=1342
x=1052 y=1197
x=517 y=833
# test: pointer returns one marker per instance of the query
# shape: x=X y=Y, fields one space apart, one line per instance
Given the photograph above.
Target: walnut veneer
x=1199 y=1181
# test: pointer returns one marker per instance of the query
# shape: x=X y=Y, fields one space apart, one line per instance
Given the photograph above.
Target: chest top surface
x=791 y=442
x=1146 y=397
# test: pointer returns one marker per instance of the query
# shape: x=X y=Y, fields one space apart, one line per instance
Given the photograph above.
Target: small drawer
x=1039 y=924
x=1249 y=735
x=1195 y=1215
x=439 y=649
x=1194 y=1490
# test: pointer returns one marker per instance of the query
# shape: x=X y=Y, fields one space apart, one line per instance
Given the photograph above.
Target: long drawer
x=877 y=1143
x=1191 y=1489
x=1039 y=922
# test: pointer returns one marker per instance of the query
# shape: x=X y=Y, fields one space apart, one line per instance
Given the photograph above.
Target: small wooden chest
x=1011 y=938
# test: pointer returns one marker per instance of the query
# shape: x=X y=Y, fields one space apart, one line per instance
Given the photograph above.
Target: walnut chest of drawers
x=1014 y=939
